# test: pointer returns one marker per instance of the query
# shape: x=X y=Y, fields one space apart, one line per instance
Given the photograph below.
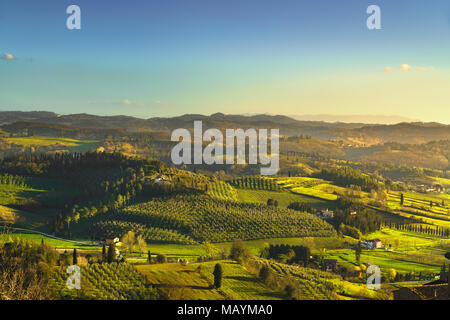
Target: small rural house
x=371 y=244
x=110 y=241
x=377 y=243
x=160 y=179
x=326 y=214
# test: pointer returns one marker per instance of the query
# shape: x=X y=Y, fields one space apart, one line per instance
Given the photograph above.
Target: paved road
x=54 y=237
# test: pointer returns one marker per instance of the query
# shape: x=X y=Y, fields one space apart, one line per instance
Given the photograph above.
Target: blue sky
x=170 y=57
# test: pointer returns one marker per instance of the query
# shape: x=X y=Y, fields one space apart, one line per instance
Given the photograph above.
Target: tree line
x=287 y=253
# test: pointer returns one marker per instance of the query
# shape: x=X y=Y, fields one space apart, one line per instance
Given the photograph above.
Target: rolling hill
x=403 y=132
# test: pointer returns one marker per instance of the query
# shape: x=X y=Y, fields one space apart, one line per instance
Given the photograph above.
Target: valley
x=174 y=224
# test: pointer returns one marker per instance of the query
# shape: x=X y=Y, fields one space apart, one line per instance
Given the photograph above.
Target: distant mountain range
x=362 y=118
x=368 y=134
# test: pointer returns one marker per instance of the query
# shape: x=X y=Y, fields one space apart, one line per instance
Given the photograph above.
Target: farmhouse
x=326 y=214
x=109 y=241
x=371 y=244
x=377 y=243
x=160 y=179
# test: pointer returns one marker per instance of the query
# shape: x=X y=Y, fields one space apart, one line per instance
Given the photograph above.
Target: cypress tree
x=111 y=253
x=264 y=274
x=104 y=253
x=218 y=273
x=308 y=254
x=75 y=257
x=358 y=253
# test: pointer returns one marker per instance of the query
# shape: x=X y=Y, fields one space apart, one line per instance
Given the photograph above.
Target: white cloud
x=128 y=102
x=7 y=56
x=405 y=67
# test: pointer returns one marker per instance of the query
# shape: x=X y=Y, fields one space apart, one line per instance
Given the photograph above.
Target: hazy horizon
x=167 y=58
x=328 y=118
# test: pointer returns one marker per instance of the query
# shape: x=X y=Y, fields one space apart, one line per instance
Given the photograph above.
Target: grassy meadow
x=72 y=145
x=195 y=281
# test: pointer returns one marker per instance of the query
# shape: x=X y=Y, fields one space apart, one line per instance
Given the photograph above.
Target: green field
x=315 y=192
x=11 y=194
x=22 y=219
x=284 y=198
x=418 y=205
x=8 y=215
x=239 y=284
x=442 y=181
x=347 y=258
x=422 y=197
x=194 y=281
x=188 y=252
x=351 y=290
x=180 y=282
x=35 y=188
x=70 y=144
x=314 y=243
x=311 y=187
x=40 y=193
x=409 y=252
x=405 y=241
x=289 y=182
x=6 y=236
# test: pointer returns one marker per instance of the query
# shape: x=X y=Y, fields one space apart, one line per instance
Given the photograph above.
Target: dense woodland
x=106 y=180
